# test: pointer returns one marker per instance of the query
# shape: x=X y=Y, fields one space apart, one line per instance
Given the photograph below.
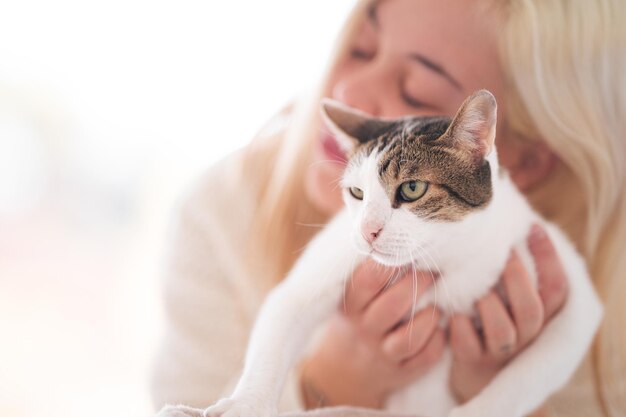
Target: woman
x=557 y=69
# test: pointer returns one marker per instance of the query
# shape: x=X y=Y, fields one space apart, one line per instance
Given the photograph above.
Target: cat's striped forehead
x=416 y=149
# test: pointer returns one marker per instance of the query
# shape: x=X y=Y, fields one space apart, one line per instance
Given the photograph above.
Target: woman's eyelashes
x=410 y=100
x=362 y=54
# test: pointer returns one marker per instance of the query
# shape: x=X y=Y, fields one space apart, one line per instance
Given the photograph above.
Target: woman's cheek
x=322 y=188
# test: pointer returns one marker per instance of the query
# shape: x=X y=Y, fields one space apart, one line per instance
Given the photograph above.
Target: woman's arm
x=211 y=298
x=539 y=413
x=205 y=331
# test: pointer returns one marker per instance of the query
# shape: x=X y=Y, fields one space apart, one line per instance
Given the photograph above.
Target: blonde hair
x=566 y=66
x=564 y=63
x=286 y=220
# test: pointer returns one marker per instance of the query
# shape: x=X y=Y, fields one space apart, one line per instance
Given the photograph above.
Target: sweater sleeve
x=209 y=304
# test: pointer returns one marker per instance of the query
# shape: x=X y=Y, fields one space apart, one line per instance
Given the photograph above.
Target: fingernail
x=537 y=234
x=506 y=349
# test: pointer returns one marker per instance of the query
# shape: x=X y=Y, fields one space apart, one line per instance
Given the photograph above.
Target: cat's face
x=408 y=180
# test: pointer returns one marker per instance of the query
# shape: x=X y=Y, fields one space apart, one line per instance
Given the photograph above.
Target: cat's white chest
x=458 y=288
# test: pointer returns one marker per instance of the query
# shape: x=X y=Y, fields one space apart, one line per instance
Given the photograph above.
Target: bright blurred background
x=108 y=111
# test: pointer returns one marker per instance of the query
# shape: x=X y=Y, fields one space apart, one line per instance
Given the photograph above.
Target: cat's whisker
x=432 y=277
x=315 y=225
x=435 y=280
x=300 y=249
x=440 y=277
x=342 y=162
x=421 y=252
x=336 y=183
x=391 y=279
x=347 y=278
x=396 y=272
x=414 y=302
x=352 y=280
x=414 y=276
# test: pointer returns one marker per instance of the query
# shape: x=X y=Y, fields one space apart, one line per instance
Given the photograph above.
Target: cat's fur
x=464 y=227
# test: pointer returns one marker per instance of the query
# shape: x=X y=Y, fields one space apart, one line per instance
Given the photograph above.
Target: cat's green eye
x=412 y=190
x=356 y=193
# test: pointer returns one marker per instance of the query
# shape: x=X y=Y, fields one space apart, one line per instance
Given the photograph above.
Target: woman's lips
x=331 y=149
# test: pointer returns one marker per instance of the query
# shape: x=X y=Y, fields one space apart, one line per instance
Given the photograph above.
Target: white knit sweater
x=210 y=298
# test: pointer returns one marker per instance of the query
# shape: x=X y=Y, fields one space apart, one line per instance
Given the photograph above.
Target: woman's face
x=410 y=57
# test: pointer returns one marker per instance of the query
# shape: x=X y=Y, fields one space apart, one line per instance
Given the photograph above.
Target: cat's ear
x=473 y=129
x=350 y=126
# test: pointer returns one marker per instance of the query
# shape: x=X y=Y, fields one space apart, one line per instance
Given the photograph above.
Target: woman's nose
x=357 y=96
x=355 y=92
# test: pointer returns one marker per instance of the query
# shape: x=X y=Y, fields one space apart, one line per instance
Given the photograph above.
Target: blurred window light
x=23 y=164
x=107 y=110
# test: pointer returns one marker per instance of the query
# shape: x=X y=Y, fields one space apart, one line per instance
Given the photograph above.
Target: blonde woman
x=558 y=70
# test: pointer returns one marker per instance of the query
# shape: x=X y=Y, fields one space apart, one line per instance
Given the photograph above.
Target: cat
x=423 y=192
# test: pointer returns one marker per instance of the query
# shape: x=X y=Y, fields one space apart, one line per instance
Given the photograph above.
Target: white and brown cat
x=421 y=192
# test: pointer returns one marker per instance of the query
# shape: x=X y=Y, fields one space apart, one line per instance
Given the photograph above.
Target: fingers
x=428 y=356
x=390 y=307
x=368 y=280
x=472 y=367
x=478 y=356
x=525 y=302
x=464 y=340
x=411 y=337
x=499 y=338
x=552 y=281
x=499 y=330
x=504 y=332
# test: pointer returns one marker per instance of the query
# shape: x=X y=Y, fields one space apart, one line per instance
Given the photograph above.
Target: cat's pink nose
x=371 y=232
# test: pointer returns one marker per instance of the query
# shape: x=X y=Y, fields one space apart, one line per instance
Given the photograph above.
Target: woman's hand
x=506 y=331
x=369 y=349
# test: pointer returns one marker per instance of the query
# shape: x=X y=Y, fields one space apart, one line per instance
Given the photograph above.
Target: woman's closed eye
x=411 y=100
x=362 y=54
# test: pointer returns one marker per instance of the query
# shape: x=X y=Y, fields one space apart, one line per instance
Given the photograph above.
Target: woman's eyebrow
x=372 y=16
x=372 y=13
x=438 y=69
